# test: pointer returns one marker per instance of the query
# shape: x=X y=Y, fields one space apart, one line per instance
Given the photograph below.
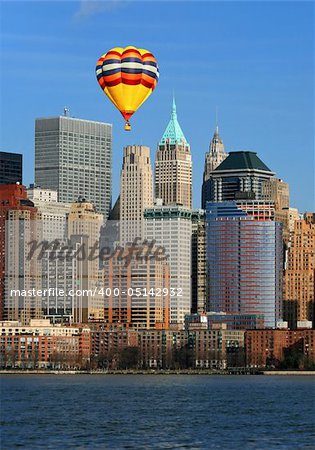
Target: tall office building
x=18 y=271
x=299 y=277
x=173 y=166
x=170 y=227
x=214 y=157
x=239 y=177
x=198 y=261
x=136 y=192
x=10 y=168
x=244 y=263
x=73 y=157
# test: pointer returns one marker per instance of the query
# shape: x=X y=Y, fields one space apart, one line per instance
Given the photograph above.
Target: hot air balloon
x=128 y=77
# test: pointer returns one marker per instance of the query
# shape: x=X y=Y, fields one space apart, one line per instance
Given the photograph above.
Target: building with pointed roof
x=173 y=132
x=214 y=157
x=173 y=165
x=239 y=177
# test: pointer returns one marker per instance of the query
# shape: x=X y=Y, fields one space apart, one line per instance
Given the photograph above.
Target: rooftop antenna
x=66 y=111
x=216 y=119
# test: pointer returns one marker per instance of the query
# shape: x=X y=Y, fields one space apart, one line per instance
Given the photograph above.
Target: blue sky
x=254 y=61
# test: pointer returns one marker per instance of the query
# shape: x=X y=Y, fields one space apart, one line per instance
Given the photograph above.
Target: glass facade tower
x=244 y=263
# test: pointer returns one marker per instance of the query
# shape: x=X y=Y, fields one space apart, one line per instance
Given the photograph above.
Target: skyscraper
x=10 y=168
x=73 y=157
x=170 y=227
x=214 y=157
x=299 y=278
x=173 y=166
x=136 y=191
x=244 y=263
x=239 y=177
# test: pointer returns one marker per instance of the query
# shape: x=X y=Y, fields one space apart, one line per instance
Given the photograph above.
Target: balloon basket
x=127 y=126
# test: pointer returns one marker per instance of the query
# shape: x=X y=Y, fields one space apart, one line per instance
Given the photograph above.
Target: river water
x=157 y=412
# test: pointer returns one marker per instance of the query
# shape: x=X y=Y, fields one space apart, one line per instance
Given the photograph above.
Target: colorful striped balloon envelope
x=128 y=77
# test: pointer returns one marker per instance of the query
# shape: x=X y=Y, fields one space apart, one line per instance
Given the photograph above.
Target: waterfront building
x=244 y=263
x=213 y=159
x=137 y=288
x=136 y=192
x=171 y=228
x=18 y=228
x=198 y=261
x=189 y=349
x=10 y=168
x=42 y=345
x=173 y=166
x=271 y=347
x=239 y=177
x=299 y=275
x=74 y=158
x=107 y=342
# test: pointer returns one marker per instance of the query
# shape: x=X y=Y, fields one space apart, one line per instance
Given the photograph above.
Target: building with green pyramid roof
x=173 y=132
x=173 y=166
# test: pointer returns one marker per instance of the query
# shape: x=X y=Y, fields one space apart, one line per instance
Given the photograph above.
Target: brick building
x=270 y=347
x=40 y=345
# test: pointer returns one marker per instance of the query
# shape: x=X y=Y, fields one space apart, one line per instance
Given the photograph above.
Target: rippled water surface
x=157 y=412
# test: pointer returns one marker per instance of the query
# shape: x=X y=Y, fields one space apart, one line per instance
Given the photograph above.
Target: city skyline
x=263 y=108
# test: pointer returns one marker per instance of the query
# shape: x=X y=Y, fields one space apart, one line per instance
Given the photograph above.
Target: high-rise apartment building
x=137 y=289
x=239 y=177
x=299 y=277
x=64 y=270
x=173 y=166
x=214 y=157
x=10 y=168
x=83 y=220
x=198 y=261
x=73 y=157
x=170 y=227
x=244 y=263
x=136 y=192
x=19 y=273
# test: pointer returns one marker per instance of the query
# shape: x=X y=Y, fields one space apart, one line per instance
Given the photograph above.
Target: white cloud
x=90 y=7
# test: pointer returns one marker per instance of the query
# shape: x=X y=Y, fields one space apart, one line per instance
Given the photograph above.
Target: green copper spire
x=173 y=132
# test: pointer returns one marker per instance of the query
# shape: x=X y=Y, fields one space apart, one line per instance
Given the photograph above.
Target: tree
x=129 y=358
